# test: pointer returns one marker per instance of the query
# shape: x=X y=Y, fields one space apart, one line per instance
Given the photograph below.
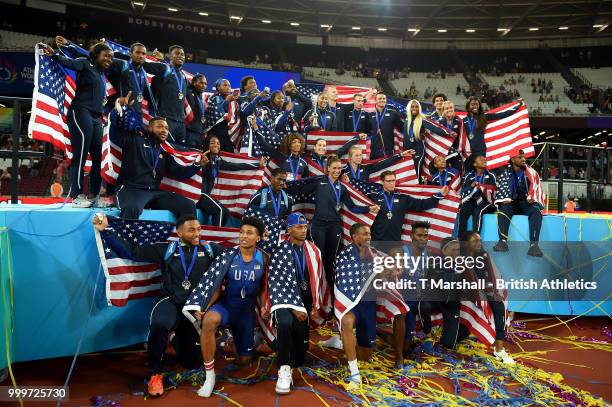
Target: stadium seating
x=15 y=41
x=448 y=85
x=329 y=75
x=231 y=62
x=599 y=77
x=531 y=99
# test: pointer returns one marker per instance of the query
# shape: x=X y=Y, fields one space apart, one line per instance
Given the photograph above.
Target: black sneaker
x=534 y=250
x=501 y=246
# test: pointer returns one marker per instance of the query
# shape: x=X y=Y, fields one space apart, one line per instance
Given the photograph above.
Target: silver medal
x=471 y=136
x=389 y=215
x=338 y=207
x=104 y=101
x=243 y=293
x=139 y=98
x=180 y=95
x=186 y=284
x=303 y=285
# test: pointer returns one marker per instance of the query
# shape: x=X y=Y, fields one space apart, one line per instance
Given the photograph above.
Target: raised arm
x=505 y=113
x=435 y=128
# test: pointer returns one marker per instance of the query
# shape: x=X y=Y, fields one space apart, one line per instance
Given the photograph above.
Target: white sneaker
x=208 y=386
x=285 y=380
x=332 y=342
x=81 y=201
x=503 y=356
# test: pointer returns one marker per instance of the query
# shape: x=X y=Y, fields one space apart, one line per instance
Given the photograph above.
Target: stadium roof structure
x=445 y=20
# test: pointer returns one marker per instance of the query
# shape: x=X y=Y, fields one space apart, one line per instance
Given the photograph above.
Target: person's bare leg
x=399 y=332
x=350 y=347
x=208 y=342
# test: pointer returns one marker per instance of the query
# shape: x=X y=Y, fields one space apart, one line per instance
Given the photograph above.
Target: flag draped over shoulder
x=354 y=279
x=283 y=288
x=305 y=203
x=127 y=279
x=503 y=194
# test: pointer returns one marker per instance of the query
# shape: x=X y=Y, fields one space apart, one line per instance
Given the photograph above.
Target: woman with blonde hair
x=414 y=132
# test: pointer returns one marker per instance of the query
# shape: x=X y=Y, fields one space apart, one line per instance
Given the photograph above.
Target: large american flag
x=305 y=203
x=442 y=217
x=275 y=232
x=234 y=189
x=352 y=281
x=283 y=289
x=54 y=89
x=127 y=279
x=535 y=191
x=405 y=173
x=335 y=140
x=503 y=137
x=345 y=95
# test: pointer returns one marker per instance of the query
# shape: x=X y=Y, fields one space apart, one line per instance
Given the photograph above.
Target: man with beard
x=183 y=264
x=144 y=164
x=301 y=103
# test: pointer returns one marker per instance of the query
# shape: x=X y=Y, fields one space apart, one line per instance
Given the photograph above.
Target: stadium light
x=542 y=133
x=137 y=3
x=325 y=26
x=382 y=29
x=564 y=28
x=534 y=29
x=174 y=10
x=502 y=29
x=597 y=25
x=295 y=24
x=442 y=30
x=413 y=30
x=470 y=30
x=266 y=21
x=234 y=18
x=203 y=13
x=355 y=28
x=583 y=139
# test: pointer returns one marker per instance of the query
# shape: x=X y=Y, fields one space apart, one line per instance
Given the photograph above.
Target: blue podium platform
x=56 y=269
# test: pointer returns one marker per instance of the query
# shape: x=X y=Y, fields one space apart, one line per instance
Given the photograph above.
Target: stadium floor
x=579 y=350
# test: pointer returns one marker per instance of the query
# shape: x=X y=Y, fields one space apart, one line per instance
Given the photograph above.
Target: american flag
x=535 y=189
x=54 y=89
x=345 y=95
x=273 y=226
x=127 y=279
x=435 y=145
x=305 y=203
x=250 y=142
x=335 y=140
x=482 y=190
x=234 y=189
x=354 y=278
x=442 y=217
x=282 y=285
x=405 y=173
x=503 y=137
x=200 y=297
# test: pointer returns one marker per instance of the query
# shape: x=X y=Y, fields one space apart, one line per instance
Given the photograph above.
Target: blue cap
x=296 y=218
